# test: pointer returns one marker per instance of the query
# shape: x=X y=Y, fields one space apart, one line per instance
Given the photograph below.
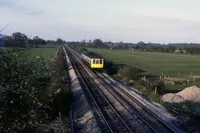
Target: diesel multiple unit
x=94 y=62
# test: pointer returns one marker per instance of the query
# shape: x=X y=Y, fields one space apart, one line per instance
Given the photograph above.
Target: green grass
x=45 y=53
x=51 y=46
x=174 y=88
x=154 y=62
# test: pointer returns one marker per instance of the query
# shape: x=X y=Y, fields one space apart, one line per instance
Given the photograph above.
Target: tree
x=31 y=43
x=38 y=41
x=8 y=41
x=59 y=41
x=98 y=43
x=1 y=40
x=172 y=48
x=19 y=39
x=83 y=43
x=141 y=43
x=129 y=72
x=50 y=42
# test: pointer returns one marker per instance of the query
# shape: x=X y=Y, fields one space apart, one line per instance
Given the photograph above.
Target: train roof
x=96 y=57
x=91 y=55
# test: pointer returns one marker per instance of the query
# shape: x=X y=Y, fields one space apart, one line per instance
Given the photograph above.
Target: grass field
x=46 y=53
x=153 y=62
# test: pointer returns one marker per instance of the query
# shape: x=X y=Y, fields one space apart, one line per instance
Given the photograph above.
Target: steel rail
x=125 y=94
x=105 y=119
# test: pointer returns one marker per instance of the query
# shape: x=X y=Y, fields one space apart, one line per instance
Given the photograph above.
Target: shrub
x=159 y=84
x=23 y=91
x=130 y=73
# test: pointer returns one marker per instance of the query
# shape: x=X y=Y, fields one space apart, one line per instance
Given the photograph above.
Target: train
x=94 y=62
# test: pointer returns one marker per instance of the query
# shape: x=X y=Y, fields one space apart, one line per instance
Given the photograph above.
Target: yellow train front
x=97 y=62
x=94 y=62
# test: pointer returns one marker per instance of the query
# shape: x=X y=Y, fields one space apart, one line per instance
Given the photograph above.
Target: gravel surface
x=155 y=108
x=83 y=117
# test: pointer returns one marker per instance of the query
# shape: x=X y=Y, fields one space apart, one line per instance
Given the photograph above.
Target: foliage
x=31 y=91
x=98 y=43
x=7 y=41
x=60 y=96
x=190 y=108
x=109 y=67
x=16 y=40
x=59 y=87
x=182 y=48
x=23 y=88
x=38 y=41
x=186 y=109
x=159 y=85
x=59 y=41
x=19 y=39
x=129 y=72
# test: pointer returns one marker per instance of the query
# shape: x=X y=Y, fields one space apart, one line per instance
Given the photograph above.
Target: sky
x=162 y=21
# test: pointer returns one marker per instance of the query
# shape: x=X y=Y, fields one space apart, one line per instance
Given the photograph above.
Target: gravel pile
x=172 y=98
x=190 y=94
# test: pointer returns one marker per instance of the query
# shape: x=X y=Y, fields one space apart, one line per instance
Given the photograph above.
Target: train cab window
x=101 y=61
x=93 y=62
x=97 y=61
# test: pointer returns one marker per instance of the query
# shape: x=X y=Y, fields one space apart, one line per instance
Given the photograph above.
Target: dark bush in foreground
x=23 y=91
x=29 y=95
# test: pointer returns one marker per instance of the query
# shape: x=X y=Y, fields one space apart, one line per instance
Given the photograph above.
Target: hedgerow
x=27 y=94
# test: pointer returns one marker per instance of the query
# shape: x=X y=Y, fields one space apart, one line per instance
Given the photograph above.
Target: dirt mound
x=172 y=98
x=190 y=94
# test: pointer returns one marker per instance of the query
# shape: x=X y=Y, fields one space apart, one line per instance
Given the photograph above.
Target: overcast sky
x=161 y=21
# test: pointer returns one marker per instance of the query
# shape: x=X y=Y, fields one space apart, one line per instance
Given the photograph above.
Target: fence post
x=194 y=78
x=155 y=90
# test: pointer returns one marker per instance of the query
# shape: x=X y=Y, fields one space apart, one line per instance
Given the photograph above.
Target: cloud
x=36 y=13
x=6 y=3
x=17 y=6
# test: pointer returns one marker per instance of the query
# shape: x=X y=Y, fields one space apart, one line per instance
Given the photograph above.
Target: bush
x=129 y=73
x=159 y=84
x=59 y=89
x=24 y=96
x=110 y=68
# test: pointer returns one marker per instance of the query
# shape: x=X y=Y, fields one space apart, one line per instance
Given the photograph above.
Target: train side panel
x=86 y=58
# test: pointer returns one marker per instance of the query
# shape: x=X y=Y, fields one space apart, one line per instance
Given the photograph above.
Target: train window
x=97 y=61
x=101 y=61
x=93 y=62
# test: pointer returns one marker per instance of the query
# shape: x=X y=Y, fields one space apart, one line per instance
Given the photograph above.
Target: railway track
x=147 y=116
x=116 y=109
x=106 y=112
